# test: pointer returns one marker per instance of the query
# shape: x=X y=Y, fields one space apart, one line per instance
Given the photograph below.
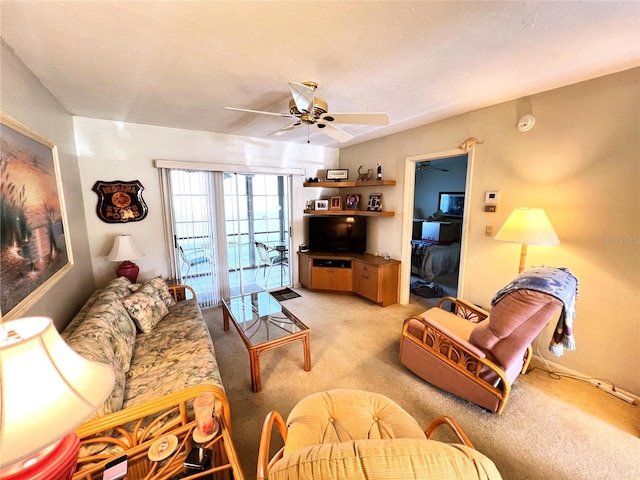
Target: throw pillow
x=145 y=308
x=160 y=285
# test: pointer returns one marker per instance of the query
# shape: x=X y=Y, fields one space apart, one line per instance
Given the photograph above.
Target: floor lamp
x=46 y=391
x=527 y=226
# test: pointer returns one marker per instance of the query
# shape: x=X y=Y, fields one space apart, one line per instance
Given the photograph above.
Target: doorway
x=436 y=186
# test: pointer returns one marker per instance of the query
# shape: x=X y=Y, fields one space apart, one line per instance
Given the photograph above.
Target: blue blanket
x=561 y=284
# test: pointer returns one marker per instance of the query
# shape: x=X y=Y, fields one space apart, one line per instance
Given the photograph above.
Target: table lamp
x=124 y=250
x=527 y=226
x=46 y=391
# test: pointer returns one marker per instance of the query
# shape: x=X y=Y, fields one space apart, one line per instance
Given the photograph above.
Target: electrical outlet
x=488 y=231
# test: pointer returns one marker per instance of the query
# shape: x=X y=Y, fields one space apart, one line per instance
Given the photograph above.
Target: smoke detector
x=526 y=123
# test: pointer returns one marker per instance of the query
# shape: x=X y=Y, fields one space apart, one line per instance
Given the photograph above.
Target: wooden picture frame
x=337 y=174
x=322 y=205
x=335 y=203
x=375 y=202
x=352 y=202
x=34 y=241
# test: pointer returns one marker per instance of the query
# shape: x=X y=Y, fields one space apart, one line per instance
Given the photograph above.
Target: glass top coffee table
x=263 y=324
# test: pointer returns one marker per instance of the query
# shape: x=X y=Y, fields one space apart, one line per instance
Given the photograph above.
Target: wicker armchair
x=354 y=434
x=472 y=354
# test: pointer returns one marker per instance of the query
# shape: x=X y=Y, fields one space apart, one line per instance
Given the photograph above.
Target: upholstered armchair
x=475 y=355
x=358 y=435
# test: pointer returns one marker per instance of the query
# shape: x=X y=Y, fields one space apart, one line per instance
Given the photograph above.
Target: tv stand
x=366 y=275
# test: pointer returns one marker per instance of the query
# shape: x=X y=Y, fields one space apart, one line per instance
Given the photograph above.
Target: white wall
x=25 y=99
x=581 y=163
x=110 y=150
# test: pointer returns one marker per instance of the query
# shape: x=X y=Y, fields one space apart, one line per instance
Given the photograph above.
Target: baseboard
x=538 y=361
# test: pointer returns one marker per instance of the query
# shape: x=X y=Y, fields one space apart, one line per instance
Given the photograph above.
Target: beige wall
x=581 y=163
x=23 y=98
x=110 y=150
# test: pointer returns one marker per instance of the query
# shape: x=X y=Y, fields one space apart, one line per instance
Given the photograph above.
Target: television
x=337 y=234
x=451 y=204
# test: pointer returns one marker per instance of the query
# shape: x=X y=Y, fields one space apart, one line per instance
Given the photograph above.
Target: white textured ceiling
x=178 y=63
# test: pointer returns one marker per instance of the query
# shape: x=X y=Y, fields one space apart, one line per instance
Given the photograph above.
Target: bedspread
x=429 y=259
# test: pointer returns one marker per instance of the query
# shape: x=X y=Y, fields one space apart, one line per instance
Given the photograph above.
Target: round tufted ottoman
x=354 y=434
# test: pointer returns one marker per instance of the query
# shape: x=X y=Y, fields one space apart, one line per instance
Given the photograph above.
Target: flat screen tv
x=337 y=234
x=452 y=204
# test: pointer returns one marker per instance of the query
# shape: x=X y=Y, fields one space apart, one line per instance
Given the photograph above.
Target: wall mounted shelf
x=370 y=183
x=350 y=213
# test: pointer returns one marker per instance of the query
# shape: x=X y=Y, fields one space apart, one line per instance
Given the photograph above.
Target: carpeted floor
x=550 y=429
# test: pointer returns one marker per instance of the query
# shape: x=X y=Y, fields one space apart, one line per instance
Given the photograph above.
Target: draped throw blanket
x=561 y=284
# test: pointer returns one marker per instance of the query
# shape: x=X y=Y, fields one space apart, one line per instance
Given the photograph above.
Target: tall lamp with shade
x=124 y=250
x=527 y=226
x=46 y=391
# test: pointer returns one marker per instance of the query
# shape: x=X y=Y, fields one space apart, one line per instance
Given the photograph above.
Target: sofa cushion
x=119 y=286
x=381 y=459
x=178 y=353
x=110 y=310
x=161 y=288
x=145 y=307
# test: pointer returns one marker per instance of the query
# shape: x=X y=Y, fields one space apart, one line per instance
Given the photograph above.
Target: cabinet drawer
x=360 y=269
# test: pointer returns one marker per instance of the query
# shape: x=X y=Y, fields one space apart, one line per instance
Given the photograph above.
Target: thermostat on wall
x=491 y=198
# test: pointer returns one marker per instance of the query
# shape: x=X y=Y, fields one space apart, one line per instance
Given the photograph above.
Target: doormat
x=284 y=294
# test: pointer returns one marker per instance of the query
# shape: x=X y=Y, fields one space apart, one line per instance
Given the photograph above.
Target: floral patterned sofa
x=155 y=344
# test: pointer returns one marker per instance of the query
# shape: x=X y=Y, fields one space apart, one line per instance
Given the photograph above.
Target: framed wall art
x=34 y=239
x=120 y=202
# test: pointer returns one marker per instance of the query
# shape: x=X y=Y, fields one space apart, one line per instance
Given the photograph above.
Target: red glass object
x=59 y=464
x=128 y=269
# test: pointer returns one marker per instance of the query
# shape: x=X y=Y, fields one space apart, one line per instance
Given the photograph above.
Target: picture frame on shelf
x=337 y=174
x=335 y=203
x=352 y=202
x=310 y=205
x=322 y=205
x=36 y=250
x=375 y=202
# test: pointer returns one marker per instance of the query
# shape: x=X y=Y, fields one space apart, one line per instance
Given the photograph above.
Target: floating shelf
x=370 y=183
x=350 y=213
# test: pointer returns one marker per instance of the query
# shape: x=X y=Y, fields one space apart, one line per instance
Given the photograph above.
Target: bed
x=430 y=259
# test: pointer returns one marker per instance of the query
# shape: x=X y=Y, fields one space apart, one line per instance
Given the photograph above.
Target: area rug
x=284 y=294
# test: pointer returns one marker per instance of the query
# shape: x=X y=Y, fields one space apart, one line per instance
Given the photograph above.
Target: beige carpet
x=551 y=429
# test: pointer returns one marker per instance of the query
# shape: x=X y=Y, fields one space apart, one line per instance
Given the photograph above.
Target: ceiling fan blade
x=284 y=130
x=302 y=95
x=334 y=132
x=288 y=115
x=380 y=118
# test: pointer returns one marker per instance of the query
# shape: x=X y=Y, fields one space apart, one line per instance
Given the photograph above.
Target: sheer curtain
x=195 y=226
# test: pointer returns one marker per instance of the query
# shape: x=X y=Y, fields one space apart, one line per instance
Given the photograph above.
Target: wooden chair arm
x=464 y=309
x=457 y=429
x=179 y=292
x=264 y=464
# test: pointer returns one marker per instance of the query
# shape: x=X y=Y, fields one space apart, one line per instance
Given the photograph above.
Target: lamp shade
x=124 y=249
x=529 y=226
x=46 y=389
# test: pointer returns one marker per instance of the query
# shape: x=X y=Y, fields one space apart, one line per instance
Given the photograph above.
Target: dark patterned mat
x=284 y=294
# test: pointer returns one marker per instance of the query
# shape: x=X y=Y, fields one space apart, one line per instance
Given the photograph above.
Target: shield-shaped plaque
x=120 y=202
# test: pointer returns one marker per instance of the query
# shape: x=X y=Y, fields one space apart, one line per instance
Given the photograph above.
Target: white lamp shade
x=529 y=226
x=47 y=389
x=124 y=249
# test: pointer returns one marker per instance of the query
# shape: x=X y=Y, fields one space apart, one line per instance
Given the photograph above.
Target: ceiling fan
x=308 y=109
x=427 y=166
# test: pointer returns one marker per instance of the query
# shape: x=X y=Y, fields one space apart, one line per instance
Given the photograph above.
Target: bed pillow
x=145 y=308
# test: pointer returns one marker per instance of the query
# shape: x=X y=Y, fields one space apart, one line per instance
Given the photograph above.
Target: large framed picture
x=34 y=242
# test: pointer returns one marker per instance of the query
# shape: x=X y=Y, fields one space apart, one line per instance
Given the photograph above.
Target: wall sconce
x=124 y=250
x=46 y=391
x=528 y=226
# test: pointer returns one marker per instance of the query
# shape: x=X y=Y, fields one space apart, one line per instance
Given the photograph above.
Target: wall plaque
x=120 y=202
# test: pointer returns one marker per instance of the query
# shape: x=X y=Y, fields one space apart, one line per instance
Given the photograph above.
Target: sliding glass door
x=218 y=221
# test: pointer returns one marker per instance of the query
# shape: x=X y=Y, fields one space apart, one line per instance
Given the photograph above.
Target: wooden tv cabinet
x=366 y=275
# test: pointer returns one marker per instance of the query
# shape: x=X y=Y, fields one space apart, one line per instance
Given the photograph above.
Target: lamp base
x=58 y=464
x=128 y=269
